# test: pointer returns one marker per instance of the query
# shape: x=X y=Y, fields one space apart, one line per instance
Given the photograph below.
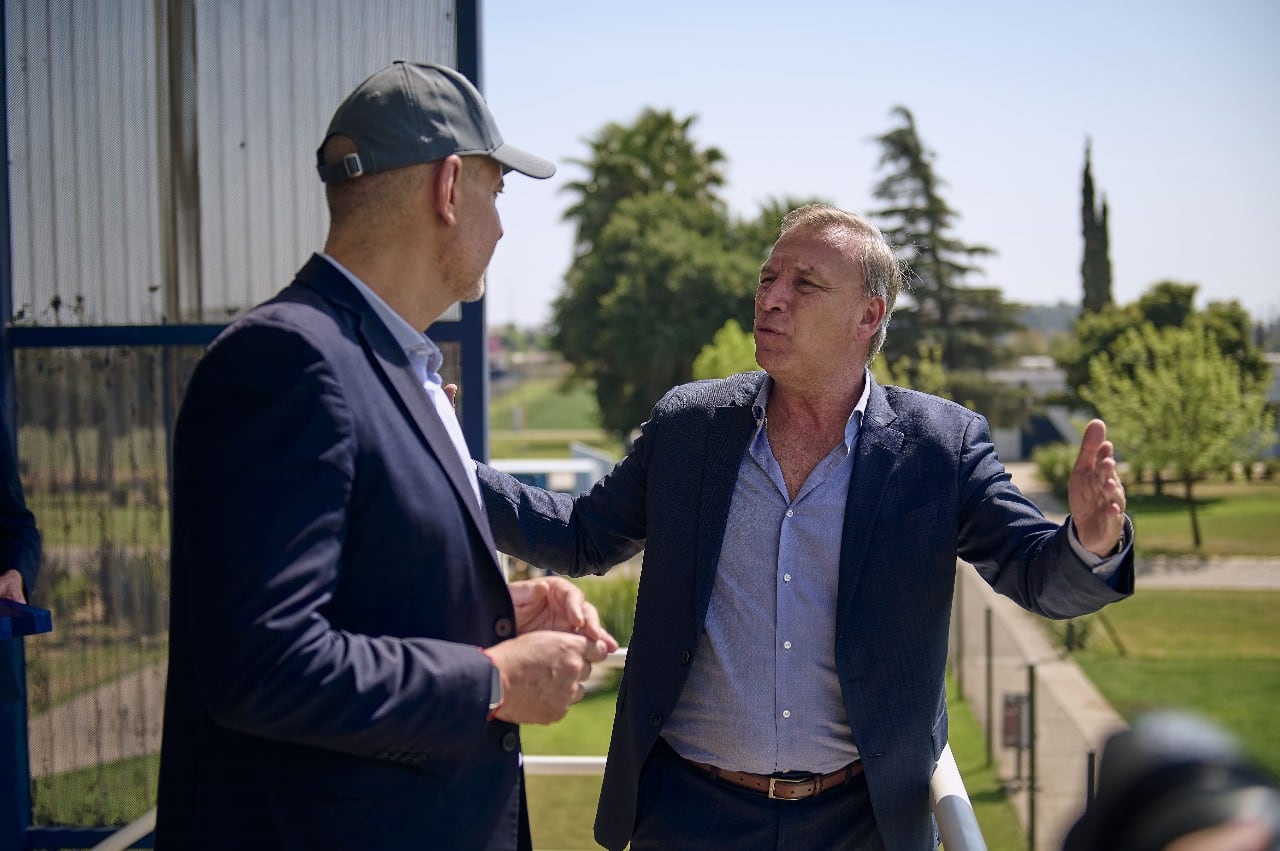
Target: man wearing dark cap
x=347 y=666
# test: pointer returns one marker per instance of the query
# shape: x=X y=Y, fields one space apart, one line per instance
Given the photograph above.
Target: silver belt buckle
x=773 y=786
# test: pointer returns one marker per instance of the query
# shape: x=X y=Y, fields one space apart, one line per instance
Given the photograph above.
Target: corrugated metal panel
x=89 y=128
x=271 y=74
x=83 y=136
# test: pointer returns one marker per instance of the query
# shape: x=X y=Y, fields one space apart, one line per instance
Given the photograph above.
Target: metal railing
x=951 y=807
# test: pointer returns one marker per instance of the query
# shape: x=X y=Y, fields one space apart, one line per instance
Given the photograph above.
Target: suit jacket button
x=655 y=720
x=685 y=657
x=510 y=741
x=503 y=627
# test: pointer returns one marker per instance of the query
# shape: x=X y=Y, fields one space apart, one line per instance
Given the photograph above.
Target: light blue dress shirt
x=763 y=694
x=425 y=358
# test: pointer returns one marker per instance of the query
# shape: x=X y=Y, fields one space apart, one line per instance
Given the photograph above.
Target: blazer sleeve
x=264 y=459
x=586 y=534
x=1015 y=548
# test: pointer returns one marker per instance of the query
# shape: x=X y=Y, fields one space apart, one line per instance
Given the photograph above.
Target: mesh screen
x=93 y=426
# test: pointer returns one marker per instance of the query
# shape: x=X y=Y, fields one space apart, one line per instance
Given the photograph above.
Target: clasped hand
x=558 y=638
x=11 y=586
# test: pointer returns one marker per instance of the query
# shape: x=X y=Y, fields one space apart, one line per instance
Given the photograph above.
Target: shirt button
x=786 y=713
x=787 y=645
x=503 y=627
x=786 y=577
x=790 y=513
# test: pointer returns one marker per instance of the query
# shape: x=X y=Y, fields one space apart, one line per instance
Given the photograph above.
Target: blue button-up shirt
x=763 y=694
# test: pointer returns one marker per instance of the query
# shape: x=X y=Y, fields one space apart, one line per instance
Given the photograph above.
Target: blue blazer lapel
x=877 y=450
x=388 y=358
x=391 y=360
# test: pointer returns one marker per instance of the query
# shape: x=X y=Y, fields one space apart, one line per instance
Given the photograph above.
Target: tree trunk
x=1188 y=483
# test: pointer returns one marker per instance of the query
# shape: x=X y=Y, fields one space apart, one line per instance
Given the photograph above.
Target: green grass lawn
x=539 y=418
x=562 y=810
x=60 y=667
x=1236 y=518
x=111 y=794
x=1214 y=653
x=544 y=403
x=999 y=823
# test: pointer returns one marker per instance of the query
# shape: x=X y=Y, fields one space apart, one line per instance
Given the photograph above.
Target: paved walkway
x=117 y=720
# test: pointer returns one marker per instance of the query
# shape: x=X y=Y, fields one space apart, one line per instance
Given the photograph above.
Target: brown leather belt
x=782 y=787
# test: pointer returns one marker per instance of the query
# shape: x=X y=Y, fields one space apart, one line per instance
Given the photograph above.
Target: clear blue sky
x=1180 y=97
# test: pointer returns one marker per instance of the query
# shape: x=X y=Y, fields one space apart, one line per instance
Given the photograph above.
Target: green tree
x=655 y=154
x=658 y=265
x=962 y=322
x=1095 y=268
x=756 y=236
x=636 y=311
x=731 y=351
x=1174 y=401
x=1166 y=304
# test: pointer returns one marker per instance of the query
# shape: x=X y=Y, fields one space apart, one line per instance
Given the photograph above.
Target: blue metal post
x=474 y=338
x=15 y=783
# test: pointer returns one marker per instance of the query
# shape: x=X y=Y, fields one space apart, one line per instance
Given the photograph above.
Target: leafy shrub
x=615 y=598
x=1054 y=461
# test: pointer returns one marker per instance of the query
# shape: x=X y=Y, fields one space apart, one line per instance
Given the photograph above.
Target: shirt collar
x=416 y=344
x=761 y=404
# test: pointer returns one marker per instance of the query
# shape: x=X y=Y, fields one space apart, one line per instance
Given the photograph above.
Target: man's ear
x=444 y=188
x=872 y=317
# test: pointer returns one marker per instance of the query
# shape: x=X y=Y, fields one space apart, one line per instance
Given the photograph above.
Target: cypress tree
x=1095 y=268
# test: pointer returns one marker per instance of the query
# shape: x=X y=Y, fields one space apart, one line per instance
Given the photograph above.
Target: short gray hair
x=882 y=271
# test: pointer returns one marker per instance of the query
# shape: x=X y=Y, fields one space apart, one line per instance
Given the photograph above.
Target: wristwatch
x=495 y=691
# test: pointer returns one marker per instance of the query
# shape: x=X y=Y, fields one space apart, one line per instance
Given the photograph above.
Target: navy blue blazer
x=332 y=579
x=20 y=551
x=926 y=486
x=19 y=538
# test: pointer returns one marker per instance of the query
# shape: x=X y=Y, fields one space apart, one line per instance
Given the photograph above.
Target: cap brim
x=513 y=158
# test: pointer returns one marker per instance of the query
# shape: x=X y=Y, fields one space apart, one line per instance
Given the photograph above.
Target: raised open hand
x=1095 y=493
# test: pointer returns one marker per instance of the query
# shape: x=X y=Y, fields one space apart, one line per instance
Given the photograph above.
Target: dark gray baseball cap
x=416 y=112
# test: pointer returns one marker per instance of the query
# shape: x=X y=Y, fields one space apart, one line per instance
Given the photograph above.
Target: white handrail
x=129 y=834
x=956 y=820
x=951 y=807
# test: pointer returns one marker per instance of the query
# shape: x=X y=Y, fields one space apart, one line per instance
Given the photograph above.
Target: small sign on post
x=1016 y=728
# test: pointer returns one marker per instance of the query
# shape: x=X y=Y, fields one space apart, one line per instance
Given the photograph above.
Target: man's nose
x=772 y=297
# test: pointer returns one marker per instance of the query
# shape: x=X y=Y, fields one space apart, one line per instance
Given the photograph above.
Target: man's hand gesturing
x=1095 y=493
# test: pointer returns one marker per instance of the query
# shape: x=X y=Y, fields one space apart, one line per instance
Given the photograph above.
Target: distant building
x=1040 y=375
x=586 y=466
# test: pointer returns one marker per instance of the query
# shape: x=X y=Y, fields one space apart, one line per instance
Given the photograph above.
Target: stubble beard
x=477 y=290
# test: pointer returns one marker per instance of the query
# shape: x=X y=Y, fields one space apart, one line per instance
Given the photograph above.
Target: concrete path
x=116 y=720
